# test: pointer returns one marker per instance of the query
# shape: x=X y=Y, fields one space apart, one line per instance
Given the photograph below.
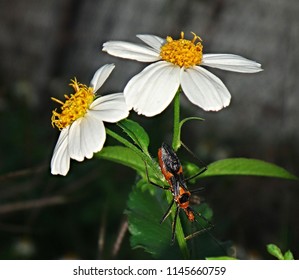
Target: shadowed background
x=43 y=44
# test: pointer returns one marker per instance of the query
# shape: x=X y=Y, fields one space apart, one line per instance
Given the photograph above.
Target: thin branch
x=37 y=203
x=121 y=234
x=102 y=234
x=22 y=173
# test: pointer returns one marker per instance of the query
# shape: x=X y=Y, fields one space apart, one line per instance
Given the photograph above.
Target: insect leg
x=197 y=190
x=192 y=235
x=151 y=182
x=205 y=219
x=174 y=224
x=167 y=212
x=201 y=162
x=197 y=174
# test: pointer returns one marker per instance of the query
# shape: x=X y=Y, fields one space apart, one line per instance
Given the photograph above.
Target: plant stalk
x=176 y=138
x=176 y=143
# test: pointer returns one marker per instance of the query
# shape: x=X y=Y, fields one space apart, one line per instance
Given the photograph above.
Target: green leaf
x=288 y=255
x=246 y=167
x=151 y=165
x=124 y=156
x=220 y=258
x=136 y=132
x=144 y=212
x=275 y=251
x=128 y=157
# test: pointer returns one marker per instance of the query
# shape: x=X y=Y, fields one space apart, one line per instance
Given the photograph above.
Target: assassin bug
x=173 y=172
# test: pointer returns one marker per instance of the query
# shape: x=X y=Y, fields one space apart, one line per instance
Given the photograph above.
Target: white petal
x=131 y=51
x=153 y=41
x=109 y=108
x=204 y=89
x=101 y=76
x=74 y=140
x=92 y=136
x=151 y=91
x=60 y=163
x=231 y=62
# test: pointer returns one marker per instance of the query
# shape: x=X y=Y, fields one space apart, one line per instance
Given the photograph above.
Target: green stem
x=176 y=138
x=176 y=143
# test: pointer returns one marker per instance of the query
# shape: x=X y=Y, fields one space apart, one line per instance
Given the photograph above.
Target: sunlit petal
x=151 y=91
x=60 y=163
x=131 y=51
x=109 y=108
x=231 y=62
x=152 y=40
x=101 y=76
x=204 y=89
x=74 y=141
x=93 y=136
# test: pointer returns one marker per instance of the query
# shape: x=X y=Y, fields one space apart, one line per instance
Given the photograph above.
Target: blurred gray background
x=43 y=44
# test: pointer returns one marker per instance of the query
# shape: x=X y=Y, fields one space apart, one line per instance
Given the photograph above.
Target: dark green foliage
x=146 y=206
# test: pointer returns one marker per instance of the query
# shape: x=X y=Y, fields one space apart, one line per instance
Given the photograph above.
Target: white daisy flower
x=81 y=121
x=177 y=63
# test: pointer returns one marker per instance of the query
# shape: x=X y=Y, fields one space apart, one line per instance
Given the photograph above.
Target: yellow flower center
x=182 y=52
x=74 y=107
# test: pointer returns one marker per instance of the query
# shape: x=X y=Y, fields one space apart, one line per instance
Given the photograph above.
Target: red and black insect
x=173 y=172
